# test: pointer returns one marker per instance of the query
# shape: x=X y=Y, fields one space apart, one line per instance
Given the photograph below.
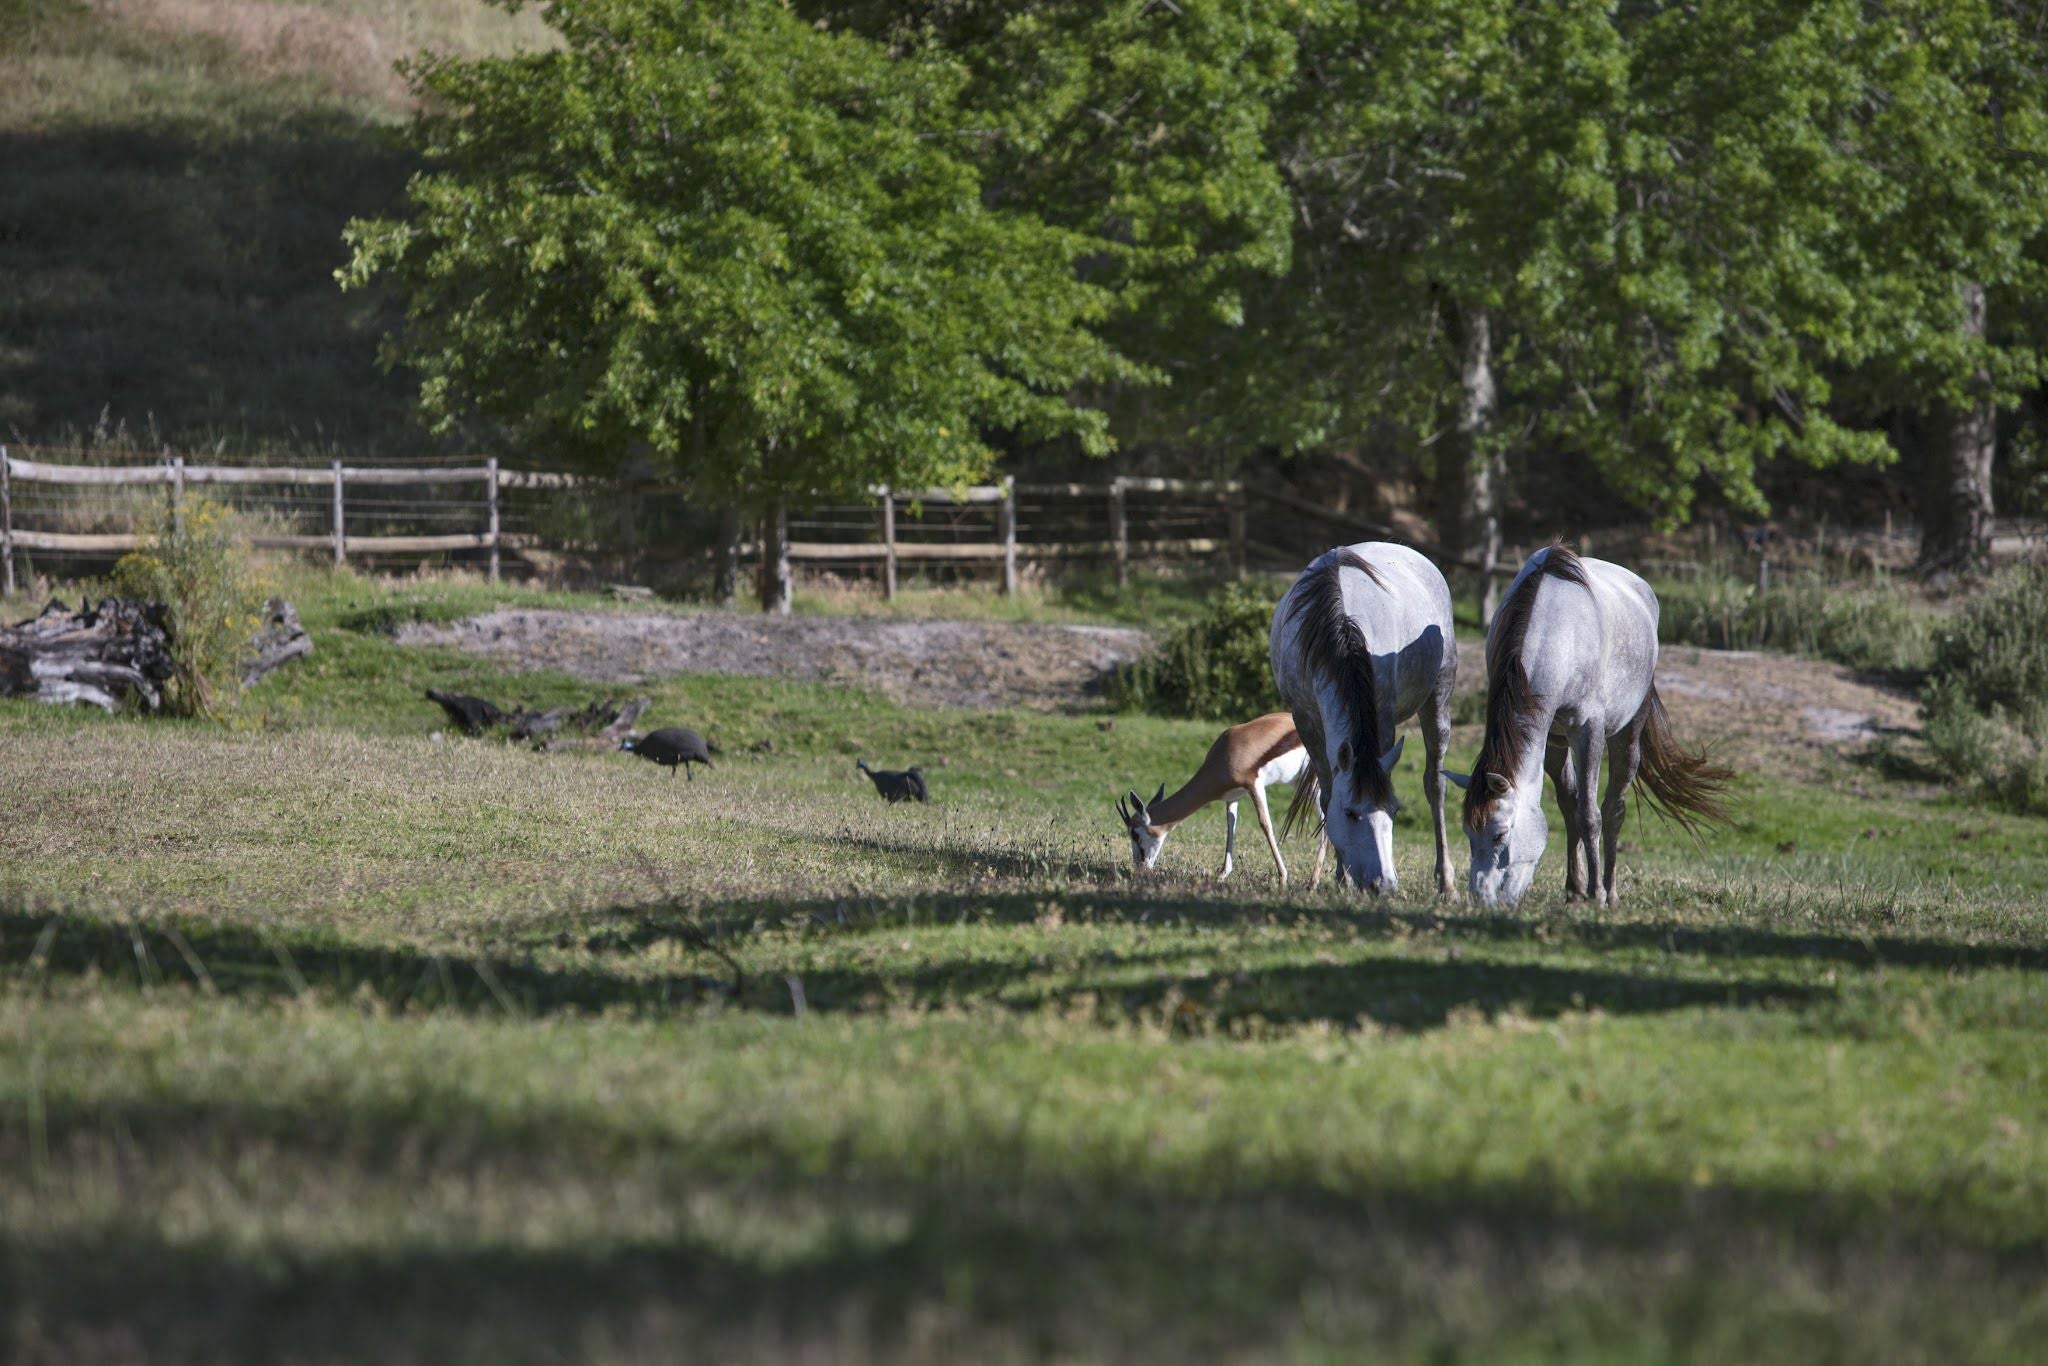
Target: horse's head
x=1147 y=839
x=1504 y=823
x=1358 y=815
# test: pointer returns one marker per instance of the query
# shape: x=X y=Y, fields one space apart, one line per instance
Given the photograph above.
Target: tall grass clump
x=1986 y=700
x=1879 y=628
x=195 y=562
x=1215 y=667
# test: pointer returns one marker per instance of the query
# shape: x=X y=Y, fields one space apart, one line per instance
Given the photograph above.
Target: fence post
x=340 y=535
x=1763 y=573
x=6 y=529
x=491 y=496
x=1006 y=514
x=1237 y=519
x=177 y=467
x=888 y=543
x=1489 y=561
x=1119 y=533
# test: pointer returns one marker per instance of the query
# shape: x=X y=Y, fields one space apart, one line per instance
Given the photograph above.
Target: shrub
x=1880 y=629
x=197 y=566
x=1986 y=700
x=1216 y=667
x=1996 y=649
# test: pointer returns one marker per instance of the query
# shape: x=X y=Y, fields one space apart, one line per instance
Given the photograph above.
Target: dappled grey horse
x=1360 y=643
x=1571 y=663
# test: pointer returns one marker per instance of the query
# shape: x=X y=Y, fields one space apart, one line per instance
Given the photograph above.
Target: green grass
x=320 y=1039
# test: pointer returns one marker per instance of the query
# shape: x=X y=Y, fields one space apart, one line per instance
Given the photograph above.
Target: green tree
x=1147 y=128
x=749 y=245
x=1675 y=238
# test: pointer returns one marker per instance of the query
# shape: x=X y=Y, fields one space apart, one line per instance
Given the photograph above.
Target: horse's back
x=1592 y=648
x=1407 y=616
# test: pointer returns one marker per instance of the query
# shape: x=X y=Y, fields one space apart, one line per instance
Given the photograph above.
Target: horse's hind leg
x=1588 y=743
x=1436 y=738
x=1621 y=771
x=1557 y=762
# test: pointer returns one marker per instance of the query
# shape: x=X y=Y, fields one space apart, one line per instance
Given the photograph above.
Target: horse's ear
x=1392 y=756
x=1158 y=796
x=1461 y=781
x=1497 y=784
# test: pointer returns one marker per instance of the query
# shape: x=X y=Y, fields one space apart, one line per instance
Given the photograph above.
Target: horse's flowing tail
x=1307 y=804
x=1679 y=784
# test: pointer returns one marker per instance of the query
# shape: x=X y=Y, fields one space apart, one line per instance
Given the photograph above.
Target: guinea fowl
x=904 y=786
x=670 y=746
x=473 y=714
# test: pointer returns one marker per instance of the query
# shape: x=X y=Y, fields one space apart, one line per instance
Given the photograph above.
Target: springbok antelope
x=1571 y=662
x=1362 y=642
x=1245 y=760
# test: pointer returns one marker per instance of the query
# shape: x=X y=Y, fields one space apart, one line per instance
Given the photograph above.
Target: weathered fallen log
x=100 y=654
x=119 y=648
x=280 y=641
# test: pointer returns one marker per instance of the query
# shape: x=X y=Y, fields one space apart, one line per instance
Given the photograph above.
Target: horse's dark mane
x=1510 y=706
x=1333 y=646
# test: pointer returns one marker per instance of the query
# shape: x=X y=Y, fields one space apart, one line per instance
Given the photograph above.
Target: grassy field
x=322 y=1039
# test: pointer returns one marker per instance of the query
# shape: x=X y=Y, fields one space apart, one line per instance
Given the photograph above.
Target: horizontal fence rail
x=984 y=529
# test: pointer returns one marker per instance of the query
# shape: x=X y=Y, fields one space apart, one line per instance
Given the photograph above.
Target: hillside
x=178 y=174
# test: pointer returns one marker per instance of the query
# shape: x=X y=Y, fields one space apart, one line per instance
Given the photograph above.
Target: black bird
x=905 y=786
x=473 y=714
x=669 y=746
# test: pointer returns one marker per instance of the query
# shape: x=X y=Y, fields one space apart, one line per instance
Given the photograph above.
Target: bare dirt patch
x=929 y=663
x=1769 y=709
x=1774 y=709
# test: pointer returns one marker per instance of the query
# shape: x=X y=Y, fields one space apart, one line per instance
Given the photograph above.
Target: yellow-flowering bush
x=197 y=565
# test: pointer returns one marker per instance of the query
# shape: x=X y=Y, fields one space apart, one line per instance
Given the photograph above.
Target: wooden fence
x=994 y=527
x=174 y=474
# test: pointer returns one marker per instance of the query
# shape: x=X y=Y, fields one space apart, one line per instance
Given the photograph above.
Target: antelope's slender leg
x=1229 y=838
x=1265 y=816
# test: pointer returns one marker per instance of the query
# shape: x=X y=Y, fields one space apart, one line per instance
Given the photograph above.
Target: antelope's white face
x=1507 y=843
x=1360 y=828
x=1146 y=840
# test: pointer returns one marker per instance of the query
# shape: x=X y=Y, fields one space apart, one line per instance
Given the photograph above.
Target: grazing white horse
x=1571 y=664
x=1362 y=642
x=1245 y=760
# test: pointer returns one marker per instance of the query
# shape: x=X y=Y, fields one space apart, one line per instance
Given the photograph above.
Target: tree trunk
x=1468 y=475
x=726 y=572
x=777 y=586
x=1955 y=509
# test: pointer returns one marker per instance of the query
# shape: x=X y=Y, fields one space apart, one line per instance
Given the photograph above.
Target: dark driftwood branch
x=602 y=722
x=281 y=641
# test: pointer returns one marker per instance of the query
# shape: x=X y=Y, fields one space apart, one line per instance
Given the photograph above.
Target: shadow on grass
x=1402 y=992
x=634 y=927
x=986 y=1258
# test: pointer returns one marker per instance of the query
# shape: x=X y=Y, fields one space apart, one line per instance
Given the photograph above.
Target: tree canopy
x=793 y=248
x=740 y=239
